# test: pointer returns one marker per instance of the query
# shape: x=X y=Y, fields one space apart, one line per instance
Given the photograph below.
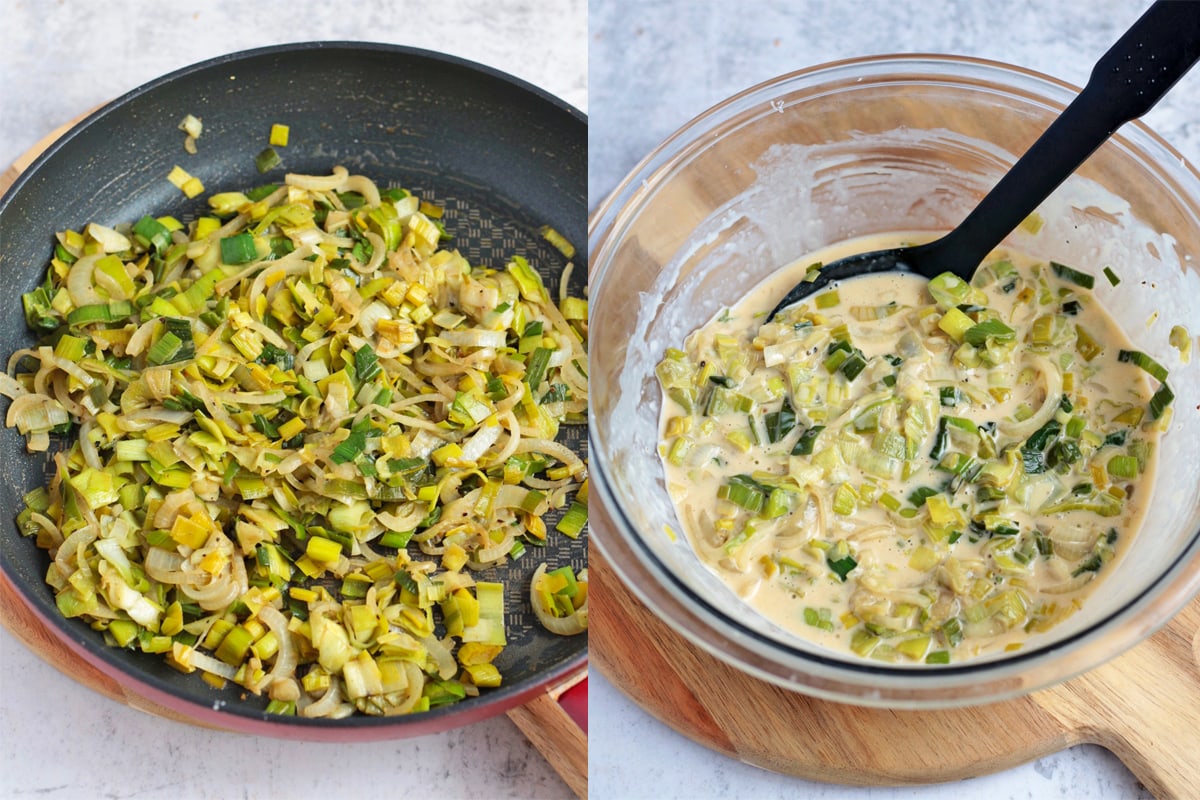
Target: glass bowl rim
x=810 y=671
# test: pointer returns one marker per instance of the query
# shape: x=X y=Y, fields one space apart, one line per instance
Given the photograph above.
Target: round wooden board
x=1144 y=707
x=558 y=734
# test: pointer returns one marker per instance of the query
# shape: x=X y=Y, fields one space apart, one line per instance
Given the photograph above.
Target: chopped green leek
x=842 y=567
x=956 y=324
x=951 y=396
x=828 y=299
x=818 y=618
x=804 y=445
x=1156 y=370
x=726 y=401
x=845 y=500
x=1073 y=275
x=260 y=192
x=535 y=370
x=1160 y=400
x=238 y=249
x=744 y=491
x=350 y=448
x=152 y=233
x=275 y=355
x=527 y=278
x=941 y=440
x=992 y=329
x=559 y=242
x=780 y=423
x=1123 y=466
x=853 y=365
x=1181 y=340
x=366 y=363
x=949 y=291
x=266 y=160
x=573 y=522
x=100 y=312
x=174 y=345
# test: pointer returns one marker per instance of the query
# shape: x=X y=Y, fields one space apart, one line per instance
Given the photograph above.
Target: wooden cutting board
x=555 y=722
x=1144 y=707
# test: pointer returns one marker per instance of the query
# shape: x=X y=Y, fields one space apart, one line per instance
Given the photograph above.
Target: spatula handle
x=1144 y=63
x=1125 y=83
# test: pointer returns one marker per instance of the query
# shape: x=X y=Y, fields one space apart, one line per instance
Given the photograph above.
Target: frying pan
x=502 y=157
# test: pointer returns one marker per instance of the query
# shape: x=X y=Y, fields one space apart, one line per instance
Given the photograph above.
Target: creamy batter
x=913 y=471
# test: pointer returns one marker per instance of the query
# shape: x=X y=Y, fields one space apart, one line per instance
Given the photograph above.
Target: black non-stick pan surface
x=502 y=157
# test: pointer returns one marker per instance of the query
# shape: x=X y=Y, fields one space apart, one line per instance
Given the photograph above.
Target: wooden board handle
x=1144 y=707
x=556 y=735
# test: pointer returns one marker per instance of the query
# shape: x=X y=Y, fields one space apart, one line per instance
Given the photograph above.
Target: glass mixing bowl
x=873 y=145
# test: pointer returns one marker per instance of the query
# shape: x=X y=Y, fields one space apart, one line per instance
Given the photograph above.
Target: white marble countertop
x=655 y=64
x=62 y=58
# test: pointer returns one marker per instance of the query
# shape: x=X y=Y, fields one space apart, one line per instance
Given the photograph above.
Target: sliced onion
x=216 y=666
x=158 y=382
x=328 y=703
x=250 y=398
x=462 y=510
x=368 y=318
x=402 y=522
x=318 y=183
x=416 y=686
x=486 y=557
x=47 y=525
x=164 y=566
x=141 y=337
x=378 y=251
x=146 y=418
x=10 y=387
x=508 y=420
x=35 y=412
x=1071 y=585
x=286 y=658
x=563 y=626
x=87 y=446
x=220 y=592
x=480 y=442
x=474 y=337
x=292 y=264
x=1053 y=378
x=80 y=283
x=71 y=368
x=72 y=545
x=364 y=186
x=109 y=284
x=171 y=505
x=551 y=448
x=447 y=666
x=112 y=241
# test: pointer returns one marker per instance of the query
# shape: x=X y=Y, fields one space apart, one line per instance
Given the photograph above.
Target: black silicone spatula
x=1125 y=83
